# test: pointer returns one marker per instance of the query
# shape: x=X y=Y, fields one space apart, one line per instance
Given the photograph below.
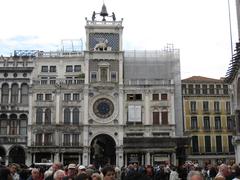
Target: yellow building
x=207 y=120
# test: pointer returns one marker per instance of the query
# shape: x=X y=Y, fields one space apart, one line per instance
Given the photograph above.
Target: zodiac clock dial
x=103 y=108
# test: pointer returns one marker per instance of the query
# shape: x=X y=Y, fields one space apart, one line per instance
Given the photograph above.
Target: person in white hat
x=71 y=172
x=81 y=169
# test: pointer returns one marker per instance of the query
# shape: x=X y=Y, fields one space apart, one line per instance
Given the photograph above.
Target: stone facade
x=106 y=105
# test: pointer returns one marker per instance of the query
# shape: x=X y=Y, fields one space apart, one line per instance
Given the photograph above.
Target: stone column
x=56 y=157
x=121 y=107
x=85 y=157
x=28 y=159
x=19 y=94
x=147 y=110
x=148 y=160
x=173 y=159
x=57 y=105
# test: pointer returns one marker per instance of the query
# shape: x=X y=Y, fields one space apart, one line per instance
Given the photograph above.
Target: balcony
x=70 y=144
x=212 y=151
x=13 y=140
x=45 y=144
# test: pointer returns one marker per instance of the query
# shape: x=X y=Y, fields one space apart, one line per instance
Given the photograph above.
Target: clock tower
x=103 y=90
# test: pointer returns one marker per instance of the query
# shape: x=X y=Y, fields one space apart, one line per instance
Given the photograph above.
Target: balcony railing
x=11 y=140
x=212 y=150
x=70 y=144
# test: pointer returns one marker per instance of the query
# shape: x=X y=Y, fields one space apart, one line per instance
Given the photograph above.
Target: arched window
x=14 y=93
x=39 y=116
x=24 y=94
x=75 y=116
x=48 y=116
x=5 y=93
x=67 y=115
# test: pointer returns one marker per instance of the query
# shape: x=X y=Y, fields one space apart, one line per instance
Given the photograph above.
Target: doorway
x=103 y=151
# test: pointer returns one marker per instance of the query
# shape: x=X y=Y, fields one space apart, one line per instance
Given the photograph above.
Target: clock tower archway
x=103 y=150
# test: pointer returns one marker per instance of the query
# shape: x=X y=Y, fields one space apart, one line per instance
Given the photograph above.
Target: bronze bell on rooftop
x=103 y=12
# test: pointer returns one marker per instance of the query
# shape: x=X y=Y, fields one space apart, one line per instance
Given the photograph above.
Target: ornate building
x=15 y=80
x=207 y=120
x=106 y=105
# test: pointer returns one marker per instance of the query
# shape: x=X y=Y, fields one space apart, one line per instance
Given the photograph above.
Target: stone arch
x=2 y=155
x=17 y=155
x=103 y=150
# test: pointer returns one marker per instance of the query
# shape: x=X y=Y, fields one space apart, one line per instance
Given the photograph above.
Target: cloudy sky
x=199 y=28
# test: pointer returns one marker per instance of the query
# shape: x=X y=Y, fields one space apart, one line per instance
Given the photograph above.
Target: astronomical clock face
x=103 y=108
x=111 y=40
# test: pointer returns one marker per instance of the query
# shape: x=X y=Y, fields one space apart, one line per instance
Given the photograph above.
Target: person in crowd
x=54 y=168
x=58 y=175
x=108 y=173
x=96 y=176
x=195 y=175
x=81 y=169
x=223 y=171
x=235 y=169
x=5 y=173
x=35 y=174
x=13 y=170
x=173 y=174
x=82 y=176
x=71 y=172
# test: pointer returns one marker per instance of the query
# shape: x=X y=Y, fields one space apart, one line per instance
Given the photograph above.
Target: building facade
x=106 y=105
x=15 y=80
x=207 y=120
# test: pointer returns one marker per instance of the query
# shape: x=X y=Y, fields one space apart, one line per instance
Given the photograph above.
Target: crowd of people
x=132 y=172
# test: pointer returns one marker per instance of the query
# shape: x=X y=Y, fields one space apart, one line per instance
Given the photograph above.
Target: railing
x=162 y=82
x=212 y=150
x=70 y=144
x=58 y=82
x=15 y=140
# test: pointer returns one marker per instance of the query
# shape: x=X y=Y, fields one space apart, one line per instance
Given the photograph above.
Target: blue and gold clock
x=103 y=108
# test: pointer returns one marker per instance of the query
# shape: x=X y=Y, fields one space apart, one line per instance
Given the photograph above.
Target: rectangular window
x=44 y=80
x=211 y=89
x=39 y=139
x=93 y=76
x=113 y=76
x=218 y=123
x=69 y=68
x=225 y=89
x=13 y=127
x=3 y=127
x=193 y=106
x=230 y=145
x=207 y=144
x=134 y=97
x=190 y=89
x=218 y=89
x=66 y=140
x=67 y=97
x=228 y=107
x=44 y=69
x=198 y=89
x=48 y=139
x=39 y=97
x=48 y=97
x=75 y=139
x=195 y=148
x=204 y=89
x=156 y=118
x=77 y=68
x=219 y=143
x=216 y=106
x=52 y=80
x=205 y=106
x=76 y=97
x=23 y=127
x=184 y=89
x=230 y=123
x=164 y=116
x=164 y=97
x=206 y=122
x=69 y=80
x=155 y=97
x=194 y=123
x=53 y=69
